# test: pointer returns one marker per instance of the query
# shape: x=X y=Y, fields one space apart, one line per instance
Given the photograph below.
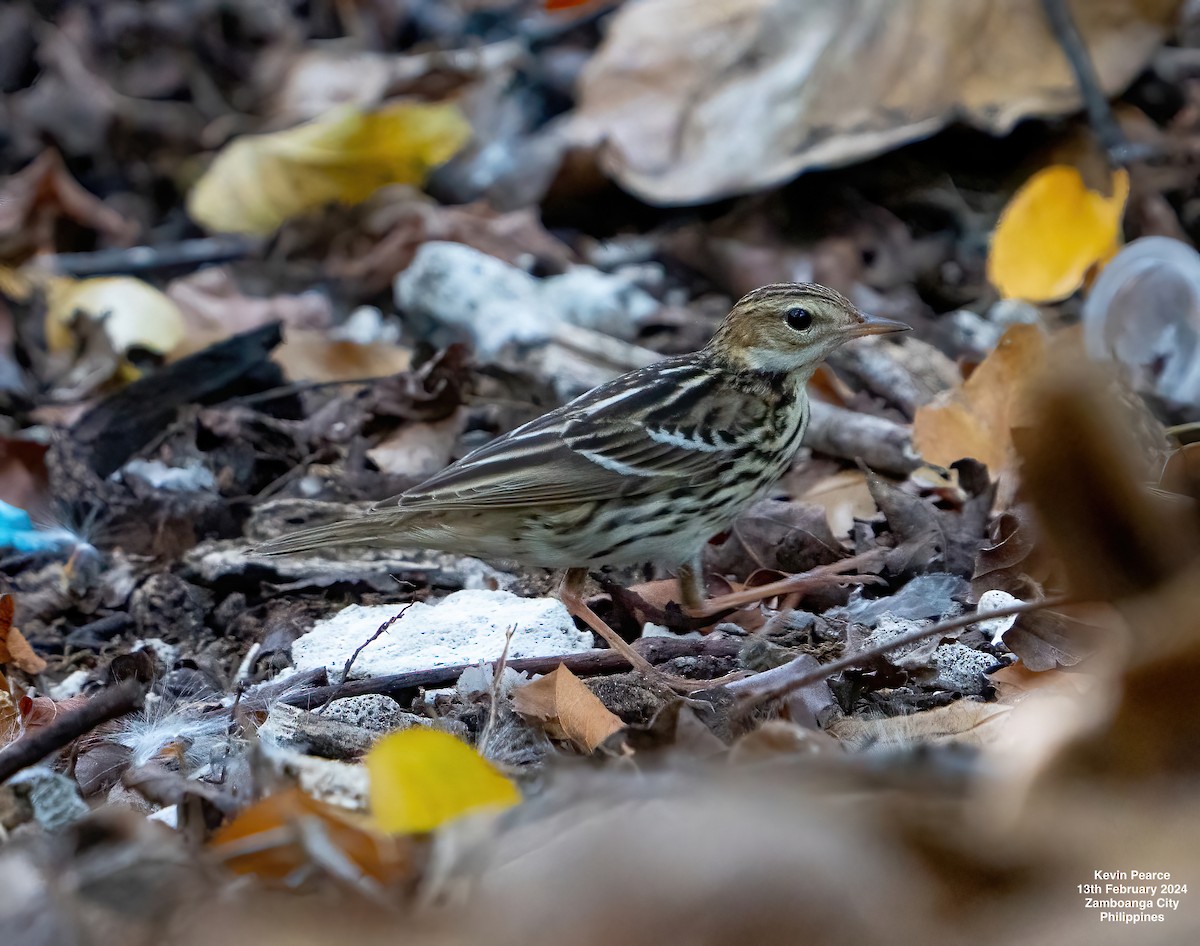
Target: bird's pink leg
x=571 y=595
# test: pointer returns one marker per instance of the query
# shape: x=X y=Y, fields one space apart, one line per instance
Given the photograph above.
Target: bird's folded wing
x=571 y=456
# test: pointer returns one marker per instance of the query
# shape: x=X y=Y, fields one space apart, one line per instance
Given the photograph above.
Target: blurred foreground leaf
x=422 y=779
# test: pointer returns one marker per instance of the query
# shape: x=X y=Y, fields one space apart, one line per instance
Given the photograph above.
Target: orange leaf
x=568 y=709
x=1053 y=232
x=976 y=420
x=388 y=860
x=14 y=649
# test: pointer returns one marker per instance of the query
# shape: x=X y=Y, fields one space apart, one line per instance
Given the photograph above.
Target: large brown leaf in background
x=702 y=99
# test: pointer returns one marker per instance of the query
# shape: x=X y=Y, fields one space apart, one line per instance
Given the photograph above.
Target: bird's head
x=791 y=327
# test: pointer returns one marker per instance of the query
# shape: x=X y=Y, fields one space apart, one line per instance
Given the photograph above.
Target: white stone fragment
x=370 y=711
x=168 y=816
x=461 y=286
x=182 y=479
x=589 y=298
x=480 y=679
x=497 y=303
x=961 y=668
x=993 y=601
x=70 y=685
x=463 y=628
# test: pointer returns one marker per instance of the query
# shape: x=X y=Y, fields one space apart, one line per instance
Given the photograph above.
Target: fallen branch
x=109 y=704
x=655 y=649
x=780 y=681
x=128 y=260
x=850 y=435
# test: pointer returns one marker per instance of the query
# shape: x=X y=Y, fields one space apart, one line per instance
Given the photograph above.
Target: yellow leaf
x=258 y=181
x=976 y=420
x=569 y=708
x=421 y=779
x=134 y=313
x=1053 y=231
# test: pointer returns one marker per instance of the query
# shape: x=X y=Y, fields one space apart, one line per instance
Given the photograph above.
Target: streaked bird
x=645 y=468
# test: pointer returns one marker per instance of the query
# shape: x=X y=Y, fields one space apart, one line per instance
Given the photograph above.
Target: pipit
x=645 y=468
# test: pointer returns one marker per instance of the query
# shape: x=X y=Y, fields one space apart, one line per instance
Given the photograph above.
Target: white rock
x=497 y=303
x=70 y=685
x=592 y=299
x=961 y=668
x=370 y=711
x=367 y=326
x=993 y=601
x=182 y=479
x=463 y=628
x=480 y=679
x=461 y=286
x=168 y=816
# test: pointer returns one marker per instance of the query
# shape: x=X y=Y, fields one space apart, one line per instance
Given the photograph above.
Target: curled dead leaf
x=567 y=708
x=698 y=101
x=976 y=420
x=14 y=649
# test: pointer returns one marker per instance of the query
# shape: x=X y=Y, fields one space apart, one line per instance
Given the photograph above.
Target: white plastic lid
x=1144 y=313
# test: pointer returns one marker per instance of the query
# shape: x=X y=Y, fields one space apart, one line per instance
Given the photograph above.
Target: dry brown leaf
x=845 y=497
x=977 y=419
x=313 y=356
x=214 y=308
x=387 y=230
x=965 y=722
x=698 y=101
x=10 y=714
x=23 y=475
x=567 y=708
x=14 y=649
x=33 y=201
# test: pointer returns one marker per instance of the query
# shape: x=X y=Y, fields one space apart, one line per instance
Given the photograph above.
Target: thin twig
x=497 y=677
x=141 y=259
x=379 y=632
x=780 y=681
x=1100 y=115
x=656 y=650
x=107 y=705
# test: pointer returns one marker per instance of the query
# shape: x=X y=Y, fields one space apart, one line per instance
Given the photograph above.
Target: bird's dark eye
x=798 y=319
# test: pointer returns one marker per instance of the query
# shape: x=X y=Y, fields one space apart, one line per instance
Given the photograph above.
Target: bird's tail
x=371 y=529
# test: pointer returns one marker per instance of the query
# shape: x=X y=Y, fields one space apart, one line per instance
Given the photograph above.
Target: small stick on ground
x=590 y=663
x=819 y=577
x=1100 y=115
x=109 y=704
x=779 y=682
x=497 y=677
x=379 y=632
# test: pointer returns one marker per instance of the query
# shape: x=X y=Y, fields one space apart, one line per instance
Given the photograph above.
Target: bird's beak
x=875 y=325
